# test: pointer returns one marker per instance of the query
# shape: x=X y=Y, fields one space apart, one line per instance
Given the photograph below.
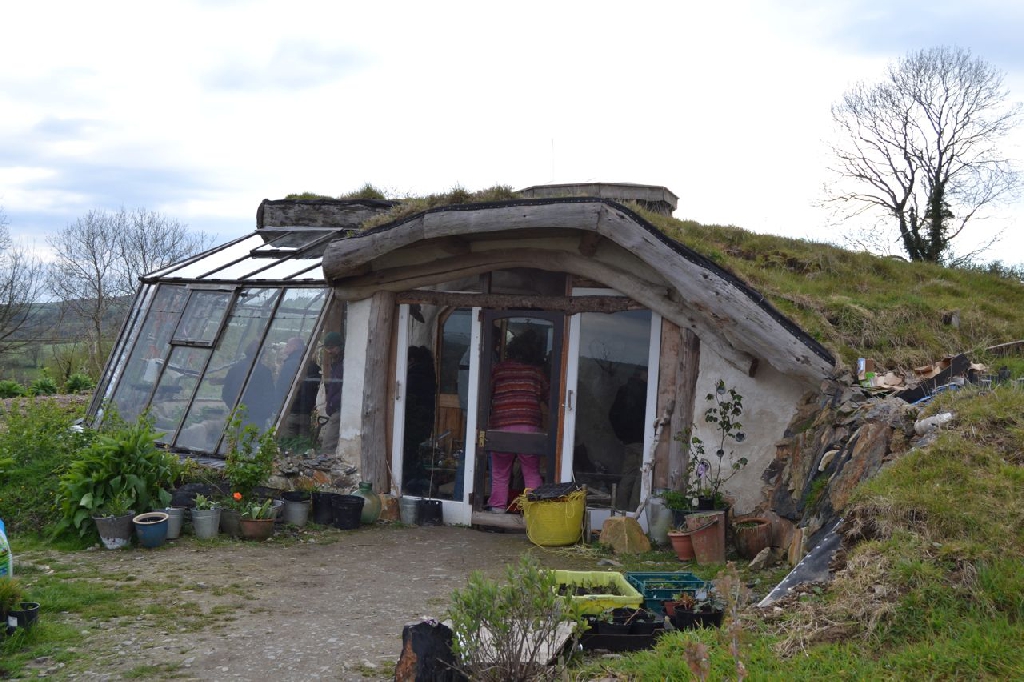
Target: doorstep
x=510 y=522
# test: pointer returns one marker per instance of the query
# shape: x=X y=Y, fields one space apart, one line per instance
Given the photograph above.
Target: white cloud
x=202 y=109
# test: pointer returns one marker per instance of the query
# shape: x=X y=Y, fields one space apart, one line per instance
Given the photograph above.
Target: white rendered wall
x=357 y=329
x=770 y=400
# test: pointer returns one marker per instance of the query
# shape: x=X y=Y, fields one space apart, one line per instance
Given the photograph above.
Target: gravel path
x=330 y=606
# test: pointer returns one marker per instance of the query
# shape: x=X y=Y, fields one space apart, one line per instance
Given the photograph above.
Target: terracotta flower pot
x=256 y=529
x=682 y=544
x=752 y=535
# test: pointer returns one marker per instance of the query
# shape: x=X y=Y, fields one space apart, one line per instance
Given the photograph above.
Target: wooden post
x=667 y=363
x=687 y=367
x=373 y=441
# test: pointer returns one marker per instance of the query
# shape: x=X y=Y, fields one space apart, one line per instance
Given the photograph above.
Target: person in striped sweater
x=519 y=391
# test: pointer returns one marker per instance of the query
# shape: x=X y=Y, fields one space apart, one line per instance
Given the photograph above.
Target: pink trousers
x=501 y=469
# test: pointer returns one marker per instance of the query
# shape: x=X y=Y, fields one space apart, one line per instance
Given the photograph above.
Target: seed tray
x=658 y=587
x=624 y=593
x=553 y=491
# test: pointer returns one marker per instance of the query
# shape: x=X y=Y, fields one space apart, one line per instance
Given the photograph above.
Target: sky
x=200 y=110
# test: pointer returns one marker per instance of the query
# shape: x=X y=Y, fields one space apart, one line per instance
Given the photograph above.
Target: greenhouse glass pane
x=147 y=357
x=202 y=317
x=229 y=369
x=287 y=268
x=174 y=391
x=218 y=259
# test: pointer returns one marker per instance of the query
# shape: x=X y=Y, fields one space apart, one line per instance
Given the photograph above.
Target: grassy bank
x=933 y=586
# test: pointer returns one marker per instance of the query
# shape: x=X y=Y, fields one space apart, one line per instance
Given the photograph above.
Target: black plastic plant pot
x=643 y=623
x=430 y=513
x=606 y=628
x=322 y=513
x=23 y=617
x=346 y=511
x=687 y=620
x=295 y=496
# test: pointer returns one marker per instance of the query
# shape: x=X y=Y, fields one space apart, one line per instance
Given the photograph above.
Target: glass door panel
x=611 y=401
x=518 y=402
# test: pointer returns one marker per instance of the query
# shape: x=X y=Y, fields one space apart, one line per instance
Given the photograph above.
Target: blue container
x=659 y=587
x=151 y=528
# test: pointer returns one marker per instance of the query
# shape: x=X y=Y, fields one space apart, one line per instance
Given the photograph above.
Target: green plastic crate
x=625 y=594
x=658 y=587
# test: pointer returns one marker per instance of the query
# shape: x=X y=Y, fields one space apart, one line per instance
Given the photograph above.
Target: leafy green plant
x=11 y=595
x=204 y=503
x=677 y=500
x=258 y=509
x=78 y=383
x=119 y=505
x=500 y=627
x=37 y=443
x=125 y=461
x=192 y=471
x=11 y=389
x=249 y=460
x=707 y=475
x=44 y=385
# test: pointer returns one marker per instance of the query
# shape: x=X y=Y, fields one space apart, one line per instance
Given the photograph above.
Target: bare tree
x=151 y=241
x=20 y=288
x=99 y=259
x=920 y=150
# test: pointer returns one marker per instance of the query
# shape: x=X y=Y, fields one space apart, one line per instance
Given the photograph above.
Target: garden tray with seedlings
x=658 y=587
x=594 y=591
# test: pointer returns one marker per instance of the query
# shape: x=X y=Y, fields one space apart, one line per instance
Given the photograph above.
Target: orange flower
x=237 y=496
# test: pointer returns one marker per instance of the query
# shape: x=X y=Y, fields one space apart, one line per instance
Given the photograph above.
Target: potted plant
x=122 y=462
x=712 y=474
x=680 y=502
x=752 y=534
x=296 y=505
x=14 y=611
x=257 y=521
x=608 y=623
x=321 y=496
x=248 y=463
x=249 y=459
x=114 y=520
x=682 y=543
x=10 y=596
x=231 y=507
x=205 y=517
x=701 y=609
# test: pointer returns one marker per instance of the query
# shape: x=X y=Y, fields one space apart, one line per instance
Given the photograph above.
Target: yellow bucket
x=551 y=523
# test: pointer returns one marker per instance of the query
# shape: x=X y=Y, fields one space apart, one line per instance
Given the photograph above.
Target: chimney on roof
x=652 y=197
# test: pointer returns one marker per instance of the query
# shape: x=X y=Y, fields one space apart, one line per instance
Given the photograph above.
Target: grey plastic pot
x=175 y=515
x=296 y=512
x=205 y=523
x=115 y=531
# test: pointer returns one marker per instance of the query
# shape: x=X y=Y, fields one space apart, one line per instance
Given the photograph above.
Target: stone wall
x=837 y=439
x=348 y=213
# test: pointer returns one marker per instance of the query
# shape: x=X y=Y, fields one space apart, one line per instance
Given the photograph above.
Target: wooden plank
x=670 y=341
x=373 y=440
x=506 y=521
x=687 y=368
x=567 y=304
x=958 y=366
x=627 y=282
x=711 y=304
